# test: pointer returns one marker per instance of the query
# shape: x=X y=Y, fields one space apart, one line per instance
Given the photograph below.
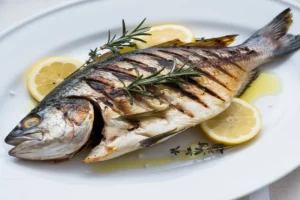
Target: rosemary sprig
x=202 y=148
x=175 y=76
x=116 y=44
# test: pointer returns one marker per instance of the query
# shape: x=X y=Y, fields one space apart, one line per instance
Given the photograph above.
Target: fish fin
x=105 y=56
x=252 y=75
x=212 y=42
x=275 y=33
x=288 y=43
x=155 y=139
x=172 y=43
x=152 y=113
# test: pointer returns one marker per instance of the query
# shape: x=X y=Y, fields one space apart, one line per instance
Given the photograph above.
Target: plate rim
x=66 y=5
x=38 y=15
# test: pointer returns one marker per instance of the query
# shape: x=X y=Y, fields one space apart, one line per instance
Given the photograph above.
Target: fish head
x=53 y=131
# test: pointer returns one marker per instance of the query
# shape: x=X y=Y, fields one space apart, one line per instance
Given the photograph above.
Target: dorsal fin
x=171 y=43
x=212 y=42
x=252 y=75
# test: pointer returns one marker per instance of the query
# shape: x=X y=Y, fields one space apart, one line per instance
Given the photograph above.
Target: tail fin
x=275 y=34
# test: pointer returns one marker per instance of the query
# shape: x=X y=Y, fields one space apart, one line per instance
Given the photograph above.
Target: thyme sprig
x=176 y=76
x=114 y=44
x=202 y=148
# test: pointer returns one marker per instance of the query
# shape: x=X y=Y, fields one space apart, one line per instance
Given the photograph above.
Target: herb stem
x=201 y=148
x=175 y=76
x=115 y=45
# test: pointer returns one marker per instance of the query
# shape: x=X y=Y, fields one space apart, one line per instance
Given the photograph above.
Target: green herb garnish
x=125 y=40
x=175 y=76
x=202 y=148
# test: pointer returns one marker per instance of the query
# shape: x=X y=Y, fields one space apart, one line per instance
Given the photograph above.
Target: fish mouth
x=13 y=151
x=14 y=140
x=21 y=142
x=24 y=151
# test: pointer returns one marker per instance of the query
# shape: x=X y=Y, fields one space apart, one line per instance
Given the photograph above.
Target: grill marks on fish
x=199 y=94
x=115 y=68
x=125 y=71
x=107 y=90
x=206 y=82
x=108 y=94
x=207 y=60
x=149 y=61
x=206 y=89
x=106 y=101
x=198 y=89
x=242 y=53
x=184 y=111
x=175 y=54
x=187 y=90
x=225 y=57
x=98 y=86
x=101 y=79
x=140 y=65
x=214 y=70
x=211 y=84
x=167 y=63
x=226 y=67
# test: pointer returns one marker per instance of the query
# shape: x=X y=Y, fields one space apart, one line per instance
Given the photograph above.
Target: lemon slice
x=45 y=75
x=237 y=124
x=165 y=33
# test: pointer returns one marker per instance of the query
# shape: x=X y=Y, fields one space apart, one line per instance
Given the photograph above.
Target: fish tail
x=274 y=36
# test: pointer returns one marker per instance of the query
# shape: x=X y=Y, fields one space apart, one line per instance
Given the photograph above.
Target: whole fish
x=62 y=123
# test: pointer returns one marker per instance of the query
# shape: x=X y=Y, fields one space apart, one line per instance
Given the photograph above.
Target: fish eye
x=31 y=121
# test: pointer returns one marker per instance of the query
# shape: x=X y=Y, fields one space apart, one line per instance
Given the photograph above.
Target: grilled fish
x=62 y=123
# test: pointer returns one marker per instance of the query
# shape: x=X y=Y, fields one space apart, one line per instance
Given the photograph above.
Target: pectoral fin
x=154 y=113
x=155 y=139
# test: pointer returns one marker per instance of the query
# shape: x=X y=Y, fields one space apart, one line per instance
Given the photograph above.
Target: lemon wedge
x=237 y=124
x=46 y=74
x=165 y=33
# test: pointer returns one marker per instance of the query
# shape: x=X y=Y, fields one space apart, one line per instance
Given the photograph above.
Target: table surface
x=14 y=11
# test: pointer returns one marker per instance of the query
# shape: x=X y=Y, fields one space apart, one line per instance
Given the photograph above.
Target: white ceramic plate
x=73 y=29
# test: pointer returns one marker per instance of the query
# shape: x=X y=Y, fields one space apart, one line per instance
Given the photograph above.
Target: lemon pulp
x=166 y=33
x=47 y=74
x=237 y=124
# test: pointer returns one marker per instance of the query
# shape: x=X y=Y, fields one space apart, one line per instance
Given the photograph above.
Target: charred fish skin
x=226 y=72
